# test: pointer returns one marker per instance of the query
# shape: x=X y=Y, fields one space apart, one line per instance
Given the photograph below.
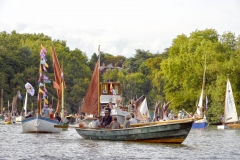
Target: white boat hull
x=40 y=125
x=222 y=127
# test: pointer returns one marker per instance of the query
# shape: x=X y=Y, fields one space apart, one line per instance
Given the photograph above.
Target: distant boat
x=230 y=112
x=39 y=124
x=201 y=123
x=156 y=132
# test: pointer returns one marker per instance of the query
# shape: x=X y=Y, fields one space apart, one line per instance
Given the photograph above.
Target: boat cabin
x=110 y=92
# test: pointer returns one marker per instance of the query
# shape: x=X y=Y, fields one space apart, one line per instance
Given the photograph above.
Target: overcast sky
x=119 y=26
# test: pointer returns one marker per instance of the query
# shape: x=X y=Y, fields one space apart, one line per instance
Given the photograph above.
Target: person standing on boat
x=58 y=117
x=171 y=115
x=126 y=123
x=132 y=120
x=108 y=108
x=180 y=115
x=131 y=106
x=107 y=119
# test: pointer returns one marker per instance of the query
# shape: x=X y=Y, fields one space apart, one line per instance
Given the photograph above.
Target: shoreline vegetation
x=175 y=74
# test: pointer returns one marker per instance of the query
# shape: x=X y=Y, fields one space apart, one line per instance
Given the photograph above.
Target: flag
x=206 y=103
x=165 y=107
x=156 y=111
x=19 y=95
x=29 y=89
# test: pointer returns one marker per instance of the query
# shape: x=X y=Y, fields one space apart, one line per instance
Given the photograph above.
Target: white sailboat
x=202 y=123
x=38 y=123
x=230 y=112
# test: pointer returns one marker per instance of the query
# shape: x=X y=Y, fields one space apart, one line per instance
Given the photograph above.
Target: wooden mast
x=99 y=93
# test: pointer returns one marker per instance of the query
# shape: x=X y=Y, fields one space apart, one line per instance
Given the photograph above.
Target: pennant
x=55 y=85
x=19 y=95
x=29 y=89
x=46 y=65
x=41 y=85
x=45 y=101
x=41 y=91
x=46 y=81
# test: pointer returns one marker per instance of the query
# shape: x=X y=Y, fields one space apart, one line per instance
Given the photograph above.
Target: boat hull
x=200 y=124
x=175 y=132
x=8 y=122
x=39 y=125
x=233 y=125
x=222 y=127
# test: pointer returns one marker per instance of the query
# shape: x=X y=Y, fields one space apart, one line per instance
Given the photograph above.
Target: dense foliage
x=176 y=74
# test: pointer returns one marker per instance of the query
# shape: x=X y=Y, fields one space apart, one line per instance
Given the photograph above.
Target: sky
x=119 y=26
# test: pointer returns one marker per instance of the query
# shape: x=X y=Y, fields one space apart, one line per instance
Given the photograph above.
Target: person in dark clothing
x=107 y=119
x=57 y=117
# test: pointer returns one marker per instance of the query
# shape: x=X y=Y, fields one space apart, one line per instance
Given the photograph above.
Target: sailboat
x=156 y=132
x=38 y=123
x=201 y=123
x=230 y=112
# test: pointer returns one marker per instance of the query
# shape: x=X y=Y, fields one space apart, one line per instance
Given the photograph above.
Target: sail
x=164 y=109
x=144 y=109
x=156 y=111
x=14 y=104
x=200 y=102
x=90 y=104
x=57 y=84
x=138 y=103
x=230 y=113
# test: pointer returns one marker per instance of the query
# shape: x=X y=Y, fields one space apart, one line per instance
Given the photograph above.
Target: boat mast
x=99 y=107
x=62 y=87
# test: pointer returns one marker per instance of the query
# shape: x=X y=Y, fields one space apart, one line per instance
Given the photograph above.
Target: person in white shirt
x=171 y=115
x=132 y=120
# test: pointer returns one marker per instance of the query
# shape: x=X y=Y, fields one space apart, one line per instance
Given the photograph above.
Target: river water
x=200 y=144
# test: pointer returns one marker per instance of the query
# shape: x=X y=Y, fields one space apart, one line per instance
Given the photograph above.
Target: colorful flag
x=29 y=89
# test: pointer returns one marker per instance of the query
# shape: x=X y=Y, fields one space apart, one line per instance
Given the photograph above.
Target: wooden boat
x=230 y=112
x=172 y=132
x=202 y=123
x=39 y=124
x=8 y=122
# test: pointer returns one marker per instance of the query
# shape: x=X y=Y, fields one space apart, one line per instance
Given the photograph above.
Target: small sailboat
x=202 y=123
x=230 y=112
x=174 y=131
x=38 y=123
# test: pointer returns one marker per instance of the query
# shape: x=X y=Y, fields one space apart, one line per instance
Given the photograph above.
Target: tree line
x=174 y=75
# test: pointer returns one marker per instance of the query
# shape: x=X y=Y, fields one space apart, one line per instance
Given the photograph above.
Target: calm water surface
x=200 y=144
